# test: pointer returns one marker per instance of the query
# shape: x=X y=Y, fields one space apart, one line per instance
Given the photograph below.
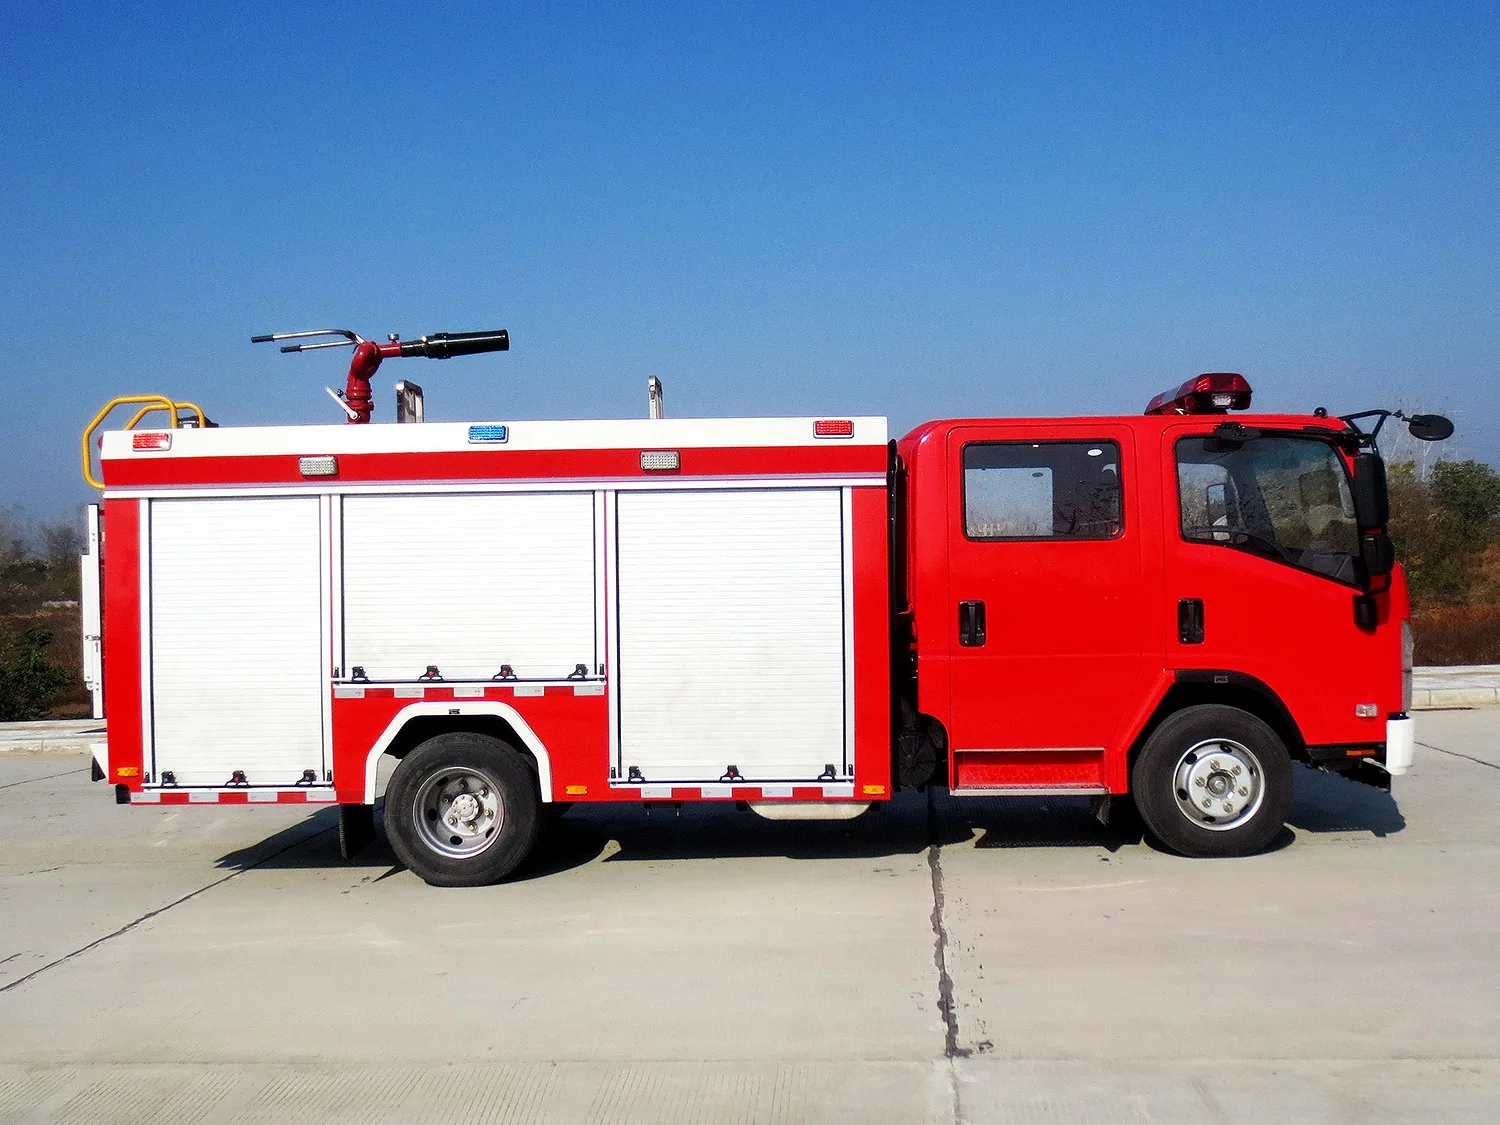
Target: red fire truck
x=795 y=614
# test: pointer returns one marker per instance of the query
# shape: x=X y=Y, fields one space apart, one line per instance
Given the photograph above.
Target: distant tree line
x=39 y=639
x=1446 y=527
x=1447 y=533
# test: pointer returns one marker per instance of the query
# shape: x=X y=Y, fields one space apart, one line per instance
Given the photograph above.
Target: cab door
x=1047 y=614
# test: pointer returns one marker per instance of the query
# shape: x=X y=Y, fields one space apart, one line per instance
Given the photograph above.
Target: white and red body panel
x=656 y=628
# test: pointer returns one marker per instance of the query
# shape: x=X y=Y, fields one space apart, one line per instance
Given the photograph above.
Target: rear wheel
x=462 y=810
x=1213 y=781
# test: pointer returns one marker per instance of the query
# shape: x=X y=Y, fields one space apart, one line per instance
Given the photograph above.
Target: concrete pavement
x=943 y=960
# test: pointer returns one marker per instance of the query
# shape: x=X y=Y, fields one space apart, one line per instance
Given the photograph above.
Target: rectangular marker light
x=150 y=441
x=660 y=460
x=488 y=435
x=318 y=466
x=833 y=427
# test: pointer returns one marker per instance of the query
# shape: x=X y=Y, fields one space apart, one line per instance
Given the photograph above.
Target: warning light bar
x=833 y=427
x=150 y=441
x=1215 y=392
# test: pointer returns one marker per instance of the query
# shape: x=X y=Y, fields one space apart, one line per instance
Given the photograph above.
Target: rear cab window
x=1056 y=490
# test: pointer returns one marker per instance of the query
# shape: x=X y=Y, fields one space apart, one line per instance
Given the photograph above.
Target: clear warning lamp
x=1215 y=392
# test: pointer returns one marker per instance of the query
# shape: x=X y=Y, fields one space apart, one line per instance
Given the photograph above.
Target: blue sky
x=778 y=209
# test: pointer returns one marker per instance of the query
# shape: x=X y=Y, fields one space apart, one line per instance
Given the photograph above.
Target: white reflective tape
x=838 y=790
x=717 y=791
x=530 y=689
x=198 y=798
x=346 y=691
x=320 y=796
x=656 y=792
x=263 y=796
x=775 y=790
x=410 y=691
x=146 y=797
x=588 y=689
x=1400 y=744
x=469 y=691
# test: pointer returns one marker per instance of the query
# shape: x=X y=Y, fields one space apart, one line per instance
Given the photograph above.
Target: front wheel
x=1213 y=781
x=462 y=810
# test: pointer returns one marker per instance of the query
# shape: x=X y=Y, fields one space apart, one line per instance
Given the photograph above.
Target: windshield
x=1286 y=498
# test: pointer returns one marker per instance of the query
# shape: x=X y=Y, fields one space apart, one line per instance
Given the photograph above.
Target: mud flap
x=356 y=829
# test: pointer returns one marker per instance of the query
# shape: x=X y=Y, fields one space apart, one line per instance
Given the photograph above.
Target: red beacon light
x=1216 y=392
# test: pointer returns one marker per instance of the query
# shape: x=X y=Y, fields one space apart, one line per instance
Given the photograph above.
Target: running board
x=1031 y=791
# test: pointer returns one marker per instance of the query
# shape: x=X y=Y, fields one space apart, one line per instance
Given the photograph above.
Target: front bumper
x=1400 y=744
x=1373 y=763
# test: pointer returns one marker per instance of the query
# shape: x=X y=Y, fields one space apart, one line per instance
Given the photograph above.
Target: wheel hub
x=464 y=807
x=458 y=812
x=1218 y=784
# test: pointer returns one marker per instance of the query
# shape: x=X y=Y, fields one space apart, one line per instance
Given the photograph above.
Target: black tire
x=456 y=775
x=1225 y=757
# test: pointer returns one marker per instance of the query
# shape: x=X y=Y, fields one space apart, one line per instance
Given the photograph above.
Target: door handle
x=1190 y=621
x=971 y=624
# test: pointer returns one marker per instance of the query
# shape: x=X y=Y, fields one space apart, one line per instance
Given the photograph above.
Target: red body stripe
x=491 y=464
x=121 y=532
x=872 y=639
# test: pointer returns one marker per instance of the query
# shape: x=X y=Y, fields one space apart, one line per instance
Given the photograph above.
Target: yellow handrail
x=135 y=419
x=160 y=402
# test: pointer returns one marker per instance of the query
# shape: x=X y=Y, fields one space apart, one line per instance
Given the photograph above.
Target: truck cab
x=1172 y=605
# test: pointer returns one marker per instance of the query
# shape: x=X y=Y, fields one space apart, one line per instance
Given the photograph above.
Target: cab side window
x=1286 y=498
x=1042 y=490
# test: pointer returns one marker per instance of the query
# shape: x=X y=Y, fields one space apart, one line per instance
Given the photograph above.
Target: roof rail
x=151 y=403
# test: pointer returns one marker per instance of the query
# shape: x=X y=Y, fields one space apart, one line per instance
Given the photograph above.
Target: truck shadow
x=1325 y=802
x=308 y=843
x=631 y=833
x=907 y=825
x=1043 y=822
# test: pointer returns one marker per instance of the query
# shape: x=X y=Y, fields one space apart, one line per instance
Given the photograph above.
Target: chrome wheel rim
x=1219 y=784
x=458 y=812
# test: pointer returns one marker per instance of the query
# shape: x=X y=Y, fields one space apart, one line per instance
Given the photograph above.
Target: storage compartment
x=732 y=635
x=469 y=583
x=236 y=642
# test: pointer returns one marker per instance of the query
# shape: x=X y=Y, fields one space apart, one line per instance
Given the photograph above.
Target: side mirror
x=1371 y=506
x=1429 y=427
x=1378 y=553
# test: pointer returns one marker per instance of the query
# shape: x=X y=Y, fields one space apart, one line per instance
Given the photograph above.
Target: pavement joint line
x=49 y=777
x=1456 y=754
x=128 y=926
x=946 y=1006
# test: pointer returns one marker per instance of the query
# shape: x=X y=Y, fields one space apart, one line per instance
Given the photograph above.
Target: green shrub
x=28 y=681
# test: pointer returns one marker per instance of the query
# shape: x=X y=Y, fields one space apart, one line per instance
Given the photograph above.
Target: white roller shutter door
x=237 y=676
x=469 y=583
x=731 y=634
